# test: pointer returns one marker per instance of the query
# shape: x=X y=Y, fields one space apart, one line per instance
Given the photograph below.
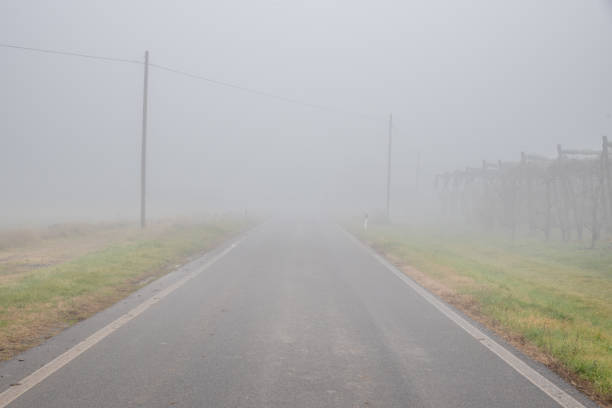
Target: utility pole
x=143 y=148
x=389 y=167
x=417 y=174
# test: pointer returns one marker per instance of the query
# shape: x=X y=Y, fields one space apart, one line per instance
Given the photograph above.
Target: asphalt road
x=296 y=315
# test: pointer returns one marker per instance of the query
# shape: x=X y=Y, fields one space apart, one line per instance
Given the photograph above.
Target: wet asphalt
x=296 y=315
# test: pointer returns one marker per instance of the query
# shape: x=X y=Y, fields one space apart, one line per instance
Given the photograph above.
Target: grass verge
x=37 y=302
x=552 y=301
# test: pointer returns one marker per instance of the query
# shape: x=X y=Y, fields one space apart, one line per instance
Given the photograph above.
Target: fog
x=465 y=81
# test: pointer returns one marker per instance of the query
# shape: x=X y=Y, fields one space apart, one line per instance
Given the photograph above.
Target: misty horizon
x=464 y=83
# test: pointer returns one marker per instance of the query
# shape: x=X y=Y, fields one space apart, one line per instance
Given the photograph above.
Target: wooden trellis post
x=572 y=193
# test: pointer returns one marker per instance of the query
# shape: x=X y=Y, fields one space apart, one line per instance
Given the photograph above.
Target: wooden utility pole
x=143 y=148
x=417 y=174
x=547 y=226
x=389 y=167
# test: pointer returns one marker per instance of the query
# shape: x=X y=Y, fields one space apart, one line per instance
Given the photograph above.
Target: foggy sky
x=465 y=81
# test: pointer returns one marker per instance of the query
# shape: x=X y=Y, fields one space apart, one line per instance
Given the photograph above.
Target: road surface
x=294 y=314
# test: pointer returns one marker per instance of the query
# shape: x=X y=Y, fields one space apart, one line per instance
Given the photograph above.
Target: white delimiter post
x=143 y=149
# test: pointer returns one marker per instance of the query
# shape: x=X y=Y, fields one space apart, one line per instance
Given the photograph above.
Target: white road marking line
x=13 y=392
x=556 y=393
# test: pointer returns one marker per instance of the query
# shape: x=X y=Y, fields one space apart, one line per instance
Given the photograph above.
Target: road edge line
x=28 y=382
x=537 y=379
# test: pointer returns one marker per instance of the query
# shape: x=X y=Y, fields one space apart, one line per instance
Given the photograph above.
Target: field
x=51 y=278
x=551 y=300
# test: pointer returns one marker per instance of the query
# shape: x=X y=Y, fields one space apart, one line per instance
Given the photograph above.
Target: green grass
x=44 y=300
x=558 y=296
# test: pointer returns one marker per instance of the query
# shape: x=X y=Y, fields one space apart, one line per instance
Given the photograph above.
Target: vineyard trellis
x=570 y=195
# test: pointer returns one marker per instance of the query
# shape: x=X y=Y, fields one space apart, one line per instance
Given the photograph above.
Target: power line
x=265 y=93
x=258 y=92
x=71 y=54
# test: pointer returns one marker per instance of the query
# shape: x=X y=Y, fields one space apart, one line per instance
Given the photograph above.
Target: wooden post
x=607 y=184
x=526 y=176
x=562 y=197
x=548 y=209
x=418 y=171
x=143 y=149
x=389 y=167
x=598 y=192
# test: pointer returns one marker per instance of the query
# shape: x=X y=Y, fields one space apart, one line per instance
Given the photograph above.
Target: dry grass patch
x=104 y=266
